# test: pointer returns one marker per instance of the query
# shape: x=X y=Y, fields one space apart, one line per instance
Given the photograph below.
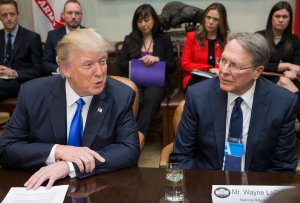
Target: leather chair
x=8 y=105
x=167 y=150
x=163 y=104
x=135 y=106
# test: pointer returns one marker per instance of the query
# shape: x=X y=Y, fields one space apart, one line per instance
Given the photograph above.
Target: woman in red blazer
x=203 y=46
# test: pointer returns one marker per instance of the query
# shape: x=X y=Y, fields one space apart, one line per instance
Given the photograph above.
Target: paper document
x=21 y=195
x=6 y=77
x=202 y=74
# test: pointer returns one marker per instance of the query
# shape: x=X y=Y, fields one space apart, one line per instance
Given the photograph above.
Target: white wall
x=113 y=17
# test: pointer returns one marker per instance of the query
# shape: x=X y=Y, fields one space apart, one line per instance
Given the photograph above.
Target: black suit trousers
x=150 y=98
x=9 y=88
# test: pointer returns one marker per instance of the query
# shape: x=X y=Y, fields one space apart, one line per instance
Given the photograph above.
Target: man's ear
x=65 y=70
x=259 y=71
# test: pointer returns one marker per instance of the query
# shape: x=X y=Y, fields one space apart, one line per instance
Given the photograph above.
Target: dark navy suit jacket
x=200 y=138
x=27 y=54
x=39 y=122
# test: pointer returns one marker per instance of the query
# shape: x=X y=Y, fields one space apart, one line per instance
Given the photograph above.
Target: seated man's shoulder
x=43 y=82
x=280 y=93
x=205 y=86
x=27 y=33
x=56 y=31
x=118 y=87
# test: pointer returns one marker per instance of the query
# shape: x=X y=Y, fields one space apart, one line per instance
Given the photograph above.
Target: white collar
x=247 y=96
x=72 y=96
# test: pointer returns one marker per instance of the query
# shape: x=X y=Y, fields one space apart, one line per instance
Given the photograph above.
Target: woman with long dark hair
x=284 y=46
x=203 y=46
x=147 y=43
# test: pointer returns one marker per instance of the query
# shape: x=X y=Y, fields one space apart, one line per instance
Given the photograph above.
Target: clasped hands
x=7 y=71
x=291 y=71
x=148 y=60
x=83 y=157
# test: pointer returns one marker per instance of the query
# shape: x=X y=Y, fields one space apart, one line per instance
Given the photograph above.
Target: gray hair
x=255 y=44
x=80 y=40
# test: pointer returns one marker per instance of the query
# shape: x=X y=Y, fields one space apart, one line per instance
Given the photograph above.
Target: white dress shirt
x=71 y=97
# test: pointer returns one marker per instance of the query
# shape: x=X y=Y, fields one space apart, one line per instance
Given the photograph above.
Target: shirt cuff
x=72 y=173
x=51 y=160
x=51 y=157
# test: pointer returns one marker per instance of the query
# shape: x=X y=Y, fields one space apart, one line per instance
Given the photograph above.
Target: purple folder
x=147 y=76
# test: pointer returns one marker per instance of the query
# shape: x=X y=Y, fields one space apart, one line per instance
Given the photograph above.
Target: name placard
x=243 y=193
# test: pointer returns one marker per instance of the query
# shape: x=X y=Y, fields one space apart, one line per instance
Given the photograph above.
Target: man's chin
x=73 y=26
x=97 y=91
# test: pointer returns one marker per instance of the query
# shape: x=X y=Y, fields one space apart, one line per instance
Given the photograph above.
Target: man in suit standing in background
x=238 y=121
x=79 y=125
x=72 y=15
x=20 y=51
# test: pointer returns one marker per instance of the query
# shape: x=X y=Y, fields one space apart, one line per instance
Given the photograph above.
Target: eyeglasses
x=90 y=64
x=233 y=67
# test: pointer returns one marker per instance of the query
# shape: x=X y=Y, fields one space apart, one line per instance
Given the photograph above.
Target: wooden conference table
x=147 y=184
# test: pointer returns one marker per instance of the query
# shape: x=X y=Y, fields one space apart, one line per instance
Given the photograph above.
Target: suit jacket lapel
x=2 y=46
x=218 y=100
x=62 y=33
x=258 y=115
x=57 y=110
x=99 y=107
x=18 y=42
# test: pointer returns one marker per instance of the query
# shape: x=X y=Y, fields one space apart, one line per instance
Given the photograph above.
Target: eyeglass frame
x=231 y=66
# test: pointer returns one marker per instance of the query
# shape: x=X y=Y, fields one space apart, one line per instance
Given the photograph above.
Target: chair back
x=135 y=106
x=177 y=115
x=118 y=47
x=167 y=150
x=132 y=85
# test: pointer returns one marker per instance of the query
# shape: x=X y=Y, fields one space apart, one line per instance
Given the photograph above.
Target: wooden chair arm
x=164 y=156
x=271 y=74
x=275 y=74
x=142 y=140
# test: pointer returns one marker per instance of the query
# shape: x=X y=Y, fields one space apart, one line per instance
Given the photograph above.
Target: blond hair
x=81 y=40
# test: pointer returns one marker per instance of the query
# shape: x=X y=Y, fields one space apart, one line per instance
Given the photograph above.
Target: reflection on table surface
x=147 y=184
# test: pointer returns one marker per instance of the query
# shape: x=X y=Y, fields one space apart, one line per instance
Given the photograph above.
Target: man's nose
x=99 y=69
x=225 y=69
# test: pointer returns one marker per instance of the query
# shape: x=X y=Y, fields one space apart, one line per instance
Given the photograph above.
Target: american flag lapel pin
x=99 y=110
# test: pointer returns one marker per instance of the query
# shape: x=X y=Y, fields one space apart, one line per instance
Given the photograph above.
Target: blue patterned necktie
x=233 y=163
x=8 y=50
x=76 y=128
